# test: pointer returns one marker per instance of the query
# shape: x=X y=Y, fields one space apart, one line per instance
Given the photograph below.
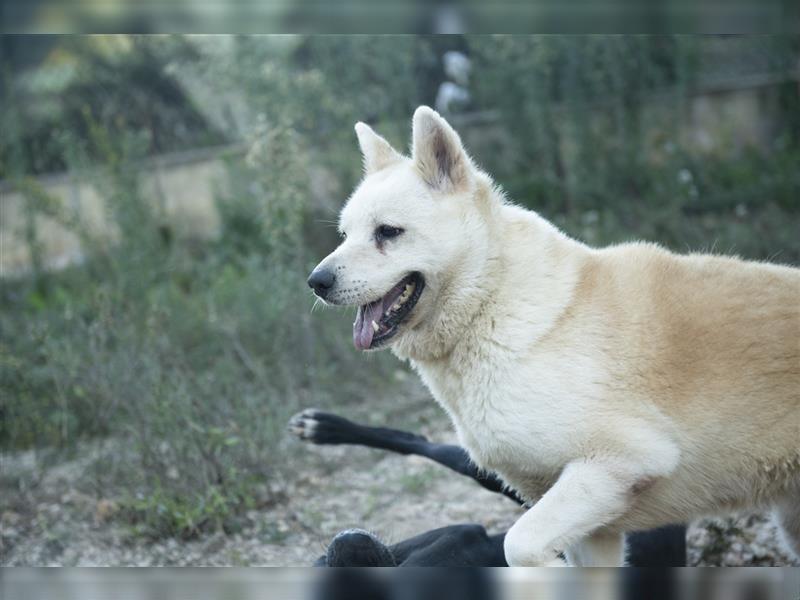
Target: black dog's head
x=356 y=548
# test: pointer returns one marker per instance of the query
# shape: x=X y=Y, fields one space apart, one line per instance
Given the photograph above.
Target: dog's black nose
x=321 y=281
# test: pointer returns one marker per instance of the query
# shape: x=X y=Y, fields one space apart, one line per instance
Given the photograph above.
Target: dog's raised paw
x=304 y=424
x=319 y=427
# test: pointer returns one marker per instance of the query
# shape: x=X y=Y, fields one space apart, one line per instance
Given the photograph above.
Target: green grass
x=417 y=483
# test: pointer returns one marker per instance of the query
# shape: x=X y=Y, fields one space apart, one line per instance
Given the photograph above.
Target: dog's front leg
x=585 y=497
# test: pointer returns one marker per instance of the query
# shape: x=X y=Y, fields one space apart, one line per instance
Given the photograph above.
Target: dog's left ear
x=377 y=152
x=438 y=153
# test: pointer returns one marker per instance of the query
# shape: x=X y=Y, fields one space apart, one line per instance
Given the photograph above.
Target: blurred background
x=393 y=584
x=164 y=198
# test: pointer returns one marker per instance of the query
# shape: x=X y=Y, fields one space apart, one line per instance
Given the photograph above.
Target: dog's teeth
x=375 y=327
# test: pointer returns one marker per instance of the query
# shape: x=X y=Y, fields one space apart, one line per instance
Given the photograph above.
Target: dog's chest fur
x=519 y=413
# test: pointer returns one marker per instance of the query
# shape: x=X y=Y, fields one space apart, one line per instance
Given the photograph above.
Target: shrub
x=194 y=356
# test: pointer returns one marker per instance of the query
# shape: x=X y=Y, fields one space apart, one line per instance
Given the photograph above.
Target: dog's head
x=414 y=242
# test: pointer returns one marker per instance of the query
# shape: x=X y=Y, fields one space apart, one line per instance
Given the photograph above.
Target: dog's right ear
x=378 y=153
x=437 y=151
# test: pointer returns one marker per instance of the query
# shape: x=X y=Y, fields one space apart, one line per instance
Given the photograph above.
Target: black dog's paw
x=304 y=424
x=318 y=427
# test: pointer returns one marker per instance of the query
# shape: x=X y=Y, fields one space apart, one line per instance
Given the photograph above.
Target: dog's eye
x=387 y=232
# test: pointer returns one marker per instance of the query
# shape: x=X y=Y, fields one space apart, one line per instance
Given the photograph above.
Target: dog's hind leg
x=662 y=547
x=320 y=427
x=787 y=515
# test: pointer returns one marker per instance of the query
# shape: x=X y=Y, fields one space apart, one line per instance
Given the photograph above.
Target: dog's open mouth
x=378 y=321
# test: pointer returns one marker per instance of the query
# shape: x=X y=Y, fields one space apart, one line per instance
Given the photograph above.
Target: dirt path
x=338 y=488
x=331 y=488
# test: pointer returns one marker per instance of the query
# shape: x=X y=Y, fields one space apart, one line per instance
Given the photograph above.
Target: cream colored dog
x=617 y=389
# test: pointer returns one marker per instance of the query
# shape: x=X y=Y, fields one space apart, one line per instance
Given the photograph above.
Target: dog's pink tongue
x=362 y=328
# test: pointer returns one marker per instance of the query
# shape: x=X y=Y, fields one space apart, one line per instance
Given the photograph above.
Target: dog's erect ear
x=437 y=151
x=377 y=152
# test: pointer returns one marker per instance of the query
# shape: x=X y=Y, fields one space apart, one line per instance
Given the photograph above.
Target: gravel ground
x=335 y=488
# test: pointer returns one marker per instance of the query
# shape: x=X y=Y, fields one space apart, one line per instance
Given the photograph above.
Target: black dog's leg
x=662 y=547
x=325 y=428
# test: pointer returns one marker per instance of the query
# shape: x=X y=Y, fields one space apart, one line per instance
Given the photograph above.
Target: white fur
x=618 y=389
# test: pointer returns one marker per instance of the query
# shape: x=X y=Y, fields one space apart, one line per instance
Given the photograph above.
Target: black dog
x=455 y=545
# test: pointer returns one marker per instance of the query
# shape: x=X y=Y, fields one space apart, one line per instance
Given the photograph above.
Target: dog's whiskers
x=328 y=222
x=317 y=302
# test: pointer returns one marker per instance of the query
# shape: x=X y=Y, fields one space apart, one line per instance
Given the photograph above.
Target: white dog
x=617 y=389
